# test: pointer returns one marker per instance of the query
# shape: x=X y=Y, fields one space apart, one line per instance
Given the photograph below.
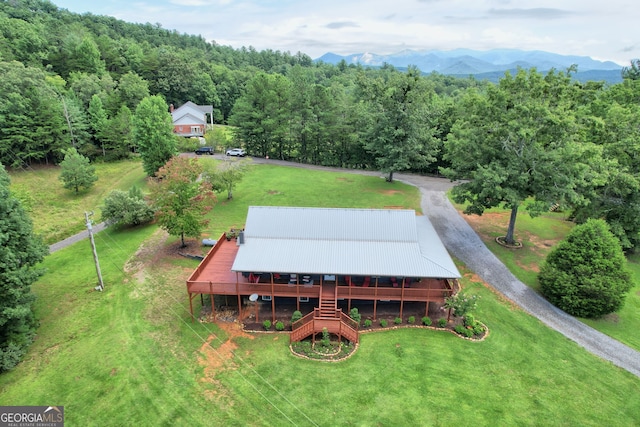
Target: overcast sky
x=604 y=30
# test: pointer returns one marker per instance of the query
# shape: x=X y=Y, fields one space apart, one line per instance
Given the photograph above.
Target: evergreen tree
x=20 y=252
x=76 y=171
x=586 y=275
x=153 y=133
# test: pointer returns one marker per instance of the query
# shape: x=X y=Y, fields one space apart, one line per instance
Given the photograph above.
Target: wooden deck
x=214 y=277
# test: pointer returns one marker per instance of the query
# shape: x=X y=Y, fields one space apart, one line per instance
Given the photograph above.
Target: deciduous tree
x=153 y=133
x=400 y=127
x=20 y=251
x=519 y=143
x=122 y=208
x=180 y=199
x=225 y=175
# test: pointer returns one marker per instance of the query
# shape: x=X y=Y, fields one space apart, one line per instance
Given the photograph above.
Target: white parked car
x=238 y=152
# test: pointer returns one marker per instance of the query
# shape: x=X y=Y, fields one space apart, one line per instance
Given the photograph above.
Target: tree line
x=529 y=142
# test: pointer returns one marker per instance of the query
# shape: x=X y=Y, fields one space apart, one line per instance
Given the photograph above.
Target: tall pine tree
x=20 y=252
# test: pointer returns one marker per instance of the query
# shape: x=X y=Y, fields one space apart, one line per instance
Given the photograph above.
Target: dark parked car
x=205 y=150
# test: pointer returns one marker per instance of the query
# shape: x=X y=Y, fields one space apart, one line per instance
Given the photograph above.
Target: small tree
x=126 y=208
x=461 y=303
x=226 y=175
x=586 y=275
x=180 y=199
x=76 y=171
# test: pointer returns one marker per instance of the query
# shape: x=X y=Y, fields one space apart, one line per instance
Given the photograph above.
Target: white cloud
x=581 y=27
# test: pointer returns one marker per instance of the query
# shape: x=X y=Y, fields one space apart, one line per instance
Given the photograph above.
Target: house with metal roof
x=325 y=259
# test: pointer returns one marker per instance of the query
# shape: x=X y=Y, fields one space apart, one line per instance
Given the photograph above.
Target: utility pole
x=100 y=286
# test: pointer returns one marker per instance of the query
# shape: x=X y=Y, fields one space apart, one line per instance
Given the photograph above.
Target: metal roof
x=366 y=242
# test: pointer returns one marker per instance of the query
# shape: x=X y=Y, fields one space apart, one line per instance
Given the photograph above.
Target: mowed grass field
x=538 y=236
x=131 y=355
x=59 y=213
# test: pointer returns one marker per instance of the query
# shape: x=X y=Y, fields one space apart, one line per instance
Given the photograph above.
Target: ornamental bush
x=586 y=274
x=383 y=323
x=355 y=315
x=411 y=320
x=266 y=325
x=442 y=322
x=426 y=321
x=297 y=315
x=279 y=325
x=368 y=323
x=397 y=320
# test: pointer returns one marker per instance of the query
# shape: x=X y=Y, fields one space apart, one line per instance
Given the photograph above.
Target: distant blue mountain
x=490 y=64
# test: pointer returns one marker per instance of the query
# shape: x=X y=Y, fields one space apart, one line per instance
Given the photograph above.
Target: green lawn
x=131 y=355
x=538 y=236
x=58 y=213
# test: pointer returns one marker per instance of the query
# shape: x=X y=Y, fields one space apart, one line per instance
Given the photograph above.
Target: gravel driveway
x=463 y=243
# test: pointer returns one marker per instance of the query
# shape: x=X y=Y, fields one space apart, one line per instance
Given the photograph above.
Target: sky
x=603 y=30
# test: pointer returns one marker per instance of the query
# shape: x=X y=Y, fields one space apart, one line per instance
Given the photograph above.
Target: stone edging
x=390 y=328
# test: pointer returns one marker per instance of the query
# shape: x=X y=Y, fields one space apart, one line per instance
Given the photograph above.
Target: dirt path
x=462 y=242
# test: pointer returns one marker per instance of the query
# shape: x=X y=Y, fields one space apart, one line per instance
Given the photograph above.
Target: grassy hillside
x=131 y=355
x=58 y=213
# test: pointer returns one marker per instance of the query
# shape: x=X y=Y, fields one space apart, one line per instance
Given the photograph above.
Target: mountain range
x=490 y=64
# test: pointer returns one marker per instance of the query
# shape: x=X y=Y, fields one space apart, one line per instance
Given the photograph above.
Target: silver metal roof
x=359 y=242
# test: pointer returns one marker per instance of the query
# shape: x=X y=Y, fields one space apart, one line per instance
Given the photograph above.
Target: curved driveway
x=462 y=242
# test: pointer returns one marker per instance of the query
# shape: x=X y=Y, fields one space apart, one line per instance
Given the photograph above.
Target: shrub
x=426 y=321
x=368 y=323
x=462 y=330
x=478 y=329
x=326 y=337
x=126 y=208
x=461 y=303
x=397 y=320
x=383 y=323
x=355 y=315
x=411 y=320
x=586 y=274
x=297 y=315
x=442 y=322
x=266 y=324
x=279 y=325
x=469 y=320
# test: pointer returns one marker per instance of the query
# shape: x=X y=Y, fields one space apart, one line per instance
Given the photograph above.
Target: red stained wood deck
x=214 y=277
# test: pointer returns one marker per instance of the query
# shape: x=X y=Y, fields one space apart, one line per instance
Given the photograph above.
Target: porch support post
x=239 y=299
x=375 y=306
x=273 y=303
x=191 y=306
x=402 y=297
x=213 y=305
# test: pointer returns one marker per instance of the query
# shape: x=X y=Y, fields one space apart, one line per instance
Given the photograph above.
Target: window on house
x=196 y=130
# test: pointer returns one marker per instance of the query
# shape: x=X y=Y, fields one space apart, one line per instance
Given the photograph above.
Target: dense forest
x=529 y=141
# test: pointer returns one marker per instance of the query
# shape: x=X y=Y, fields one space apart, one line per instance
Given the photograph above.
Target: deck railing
x=340 y=324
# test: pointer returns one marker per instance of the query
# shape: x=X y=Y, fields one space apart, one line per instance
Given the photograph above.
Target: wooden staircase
x=328 y=302
x=328 y=316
